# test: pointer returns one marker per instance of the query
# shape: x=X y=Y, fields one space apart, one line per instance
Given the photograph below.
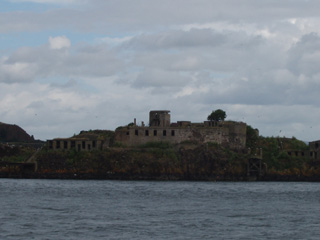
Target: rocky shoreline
x=136 y=177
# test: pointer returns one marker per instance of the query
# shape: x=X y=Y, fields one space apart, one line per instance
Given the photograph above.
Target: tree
x=217 y=115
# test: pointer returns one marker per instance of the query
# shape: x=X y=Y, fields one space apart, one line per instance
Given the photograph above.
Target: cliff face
x=14 y=133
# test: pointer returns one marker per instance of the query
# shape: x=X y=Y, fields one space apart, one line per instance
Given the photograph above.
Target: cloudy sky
x=72 y=65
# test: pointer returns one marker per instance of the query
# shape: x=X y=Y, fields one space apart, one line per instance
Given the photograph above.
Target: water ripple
x=55 y=209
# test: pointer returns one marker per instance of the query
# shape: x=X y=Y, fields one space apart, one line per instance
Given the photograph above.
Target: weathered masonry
x=314 y=149
x=313 y=152
x=227 y=133
x=79 y=144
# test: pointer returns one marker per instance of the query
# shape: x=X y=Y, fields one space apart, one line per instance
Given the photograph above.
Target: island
x=213 y=150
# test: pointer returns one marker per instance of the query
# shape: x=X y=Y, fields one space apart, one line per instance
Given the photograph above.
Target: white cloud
x=17 y=72
x=59 y=42
x=31 y=64
x=258 y=61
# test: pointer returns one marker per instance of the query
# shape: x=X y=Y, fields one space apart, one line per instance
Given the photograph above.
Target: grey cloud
x=69 y=84
x=177 y=39
x=137 y=15
x=304 y=56
x=95 y=61
x=242 y=69
x=216 y=51
x=277 y=87
x=36 y=105
x=157 y=78
x=163 y=67
x=28 y=64
x=194 y=38
x=126 y=15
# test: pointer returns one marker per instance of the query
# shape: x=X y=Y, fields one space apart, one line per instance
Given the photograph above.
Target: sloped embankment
x=150 y=163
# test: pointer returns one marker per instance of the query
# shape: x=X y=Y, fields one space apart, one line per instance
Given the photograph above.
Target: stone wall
x=159 y=118
x=299 y=153
x=231 y=134
x=75 y=143
x=314 y=149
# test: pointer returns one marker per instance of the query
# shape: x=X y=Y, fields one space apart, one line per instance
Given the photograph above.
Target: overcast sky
x=72 y=65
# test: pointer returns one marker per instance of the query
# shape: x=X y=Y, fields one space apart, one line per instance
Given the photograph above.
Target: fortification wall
x=231 y=135
x=237 y=133
x=159 y=118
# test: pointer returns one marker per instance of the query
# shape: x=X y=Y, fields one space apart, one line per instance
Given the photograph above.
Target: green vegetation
x=252 y=137
x=99 y=134
x=118 y=145
x=217 y=115
x=144 y=161
x=154 y=160
x=283 y=158
x=189 y=142
x=276 y=156
x=16 y=154
x=124 y=127
x=161 y=145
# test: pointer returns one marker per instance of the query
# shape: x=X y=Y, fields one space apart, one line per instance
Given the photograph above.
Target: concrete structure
x=255 y=167
x=313 y=152
x=159 y=118
x=79 y=144
x=314 y=148
x=227 y=133
x=298 y=153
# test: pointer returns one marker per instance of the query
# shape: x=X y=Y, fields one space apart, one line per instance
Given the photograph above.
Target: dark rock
x=14 y=133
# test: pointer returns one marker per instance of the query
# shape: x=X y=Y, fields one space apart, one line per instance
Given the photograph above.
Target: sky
x=72 y=65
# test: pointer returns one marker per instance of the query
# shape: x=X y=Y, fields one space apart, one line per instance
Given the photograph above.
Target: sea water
x=75 y=209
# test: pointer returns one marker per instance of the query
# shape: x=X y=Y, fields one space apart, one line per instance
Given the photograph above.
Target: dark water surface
x=66 y=209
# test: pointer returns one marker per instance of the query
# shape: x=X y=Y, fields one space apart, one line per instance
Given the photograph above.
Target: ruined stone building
x=313 y=152
x=314 y=149
x=79 y=144
x=227 y=133
x=85 y=141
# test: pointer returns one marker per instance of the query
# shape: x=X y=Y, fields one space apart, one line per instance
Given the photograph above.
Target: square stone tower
x=159 y=118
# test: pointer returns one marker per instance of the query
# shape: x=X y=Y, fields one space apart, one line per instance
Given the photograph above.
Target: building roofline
x=160 y=111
